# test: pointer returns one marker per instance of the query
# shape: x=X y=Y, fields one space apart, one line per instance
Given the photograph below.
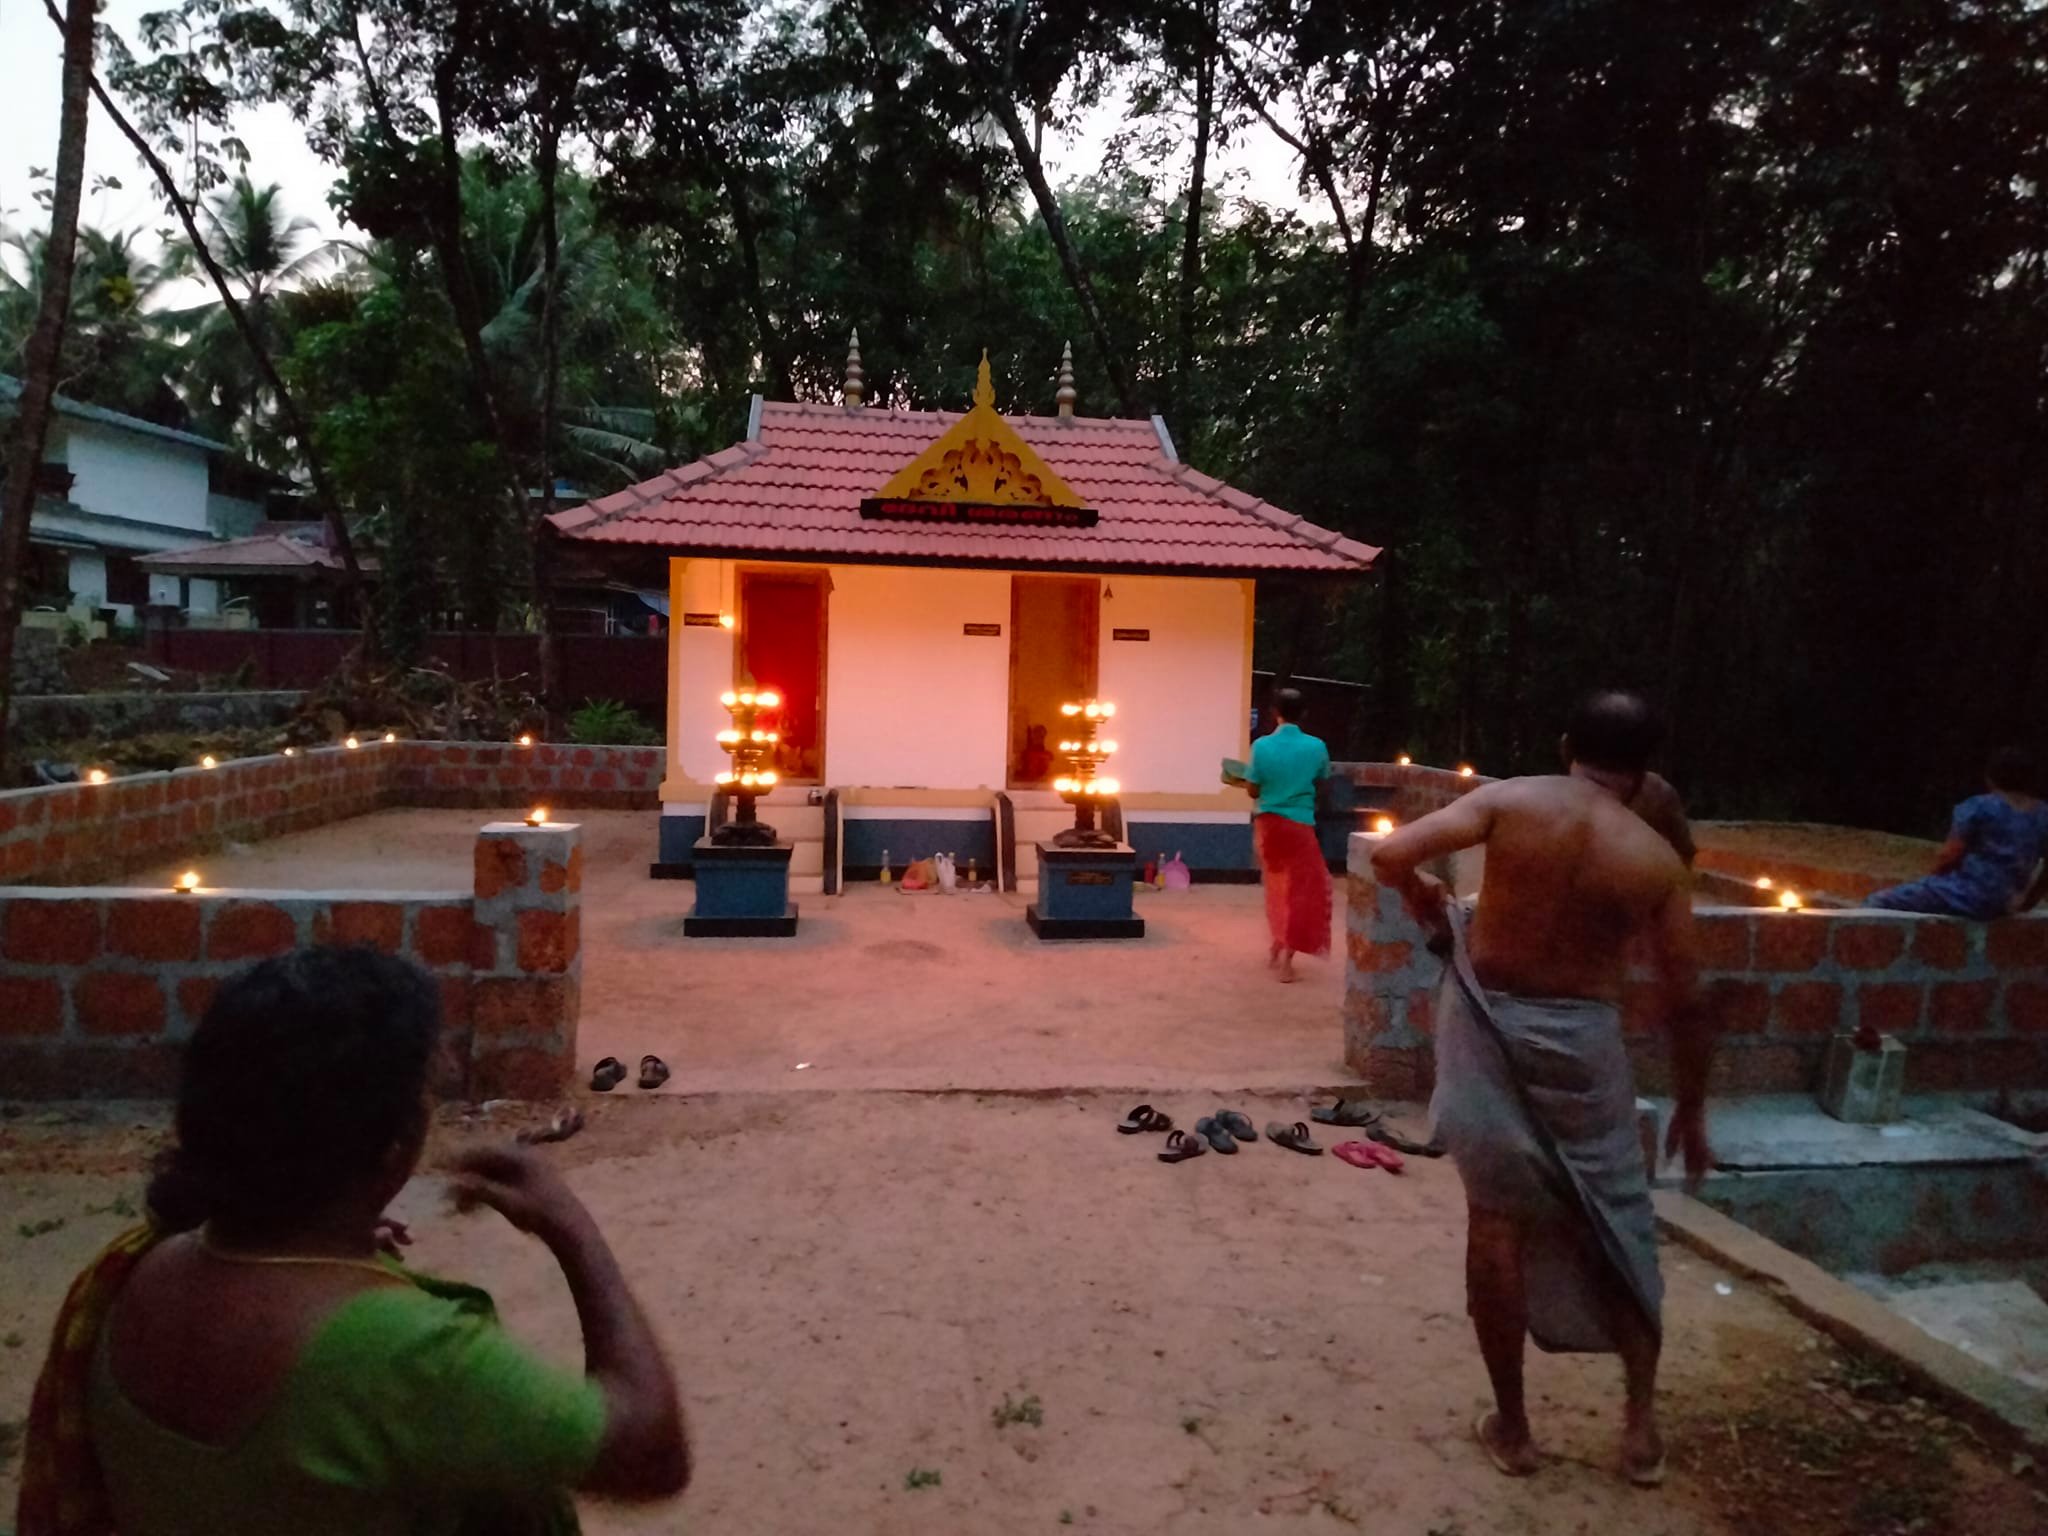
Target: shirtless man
x=1534 y=1093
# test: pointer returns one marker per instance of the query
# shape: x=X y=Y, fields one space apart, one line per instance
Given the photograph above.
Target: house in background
x=114 y=489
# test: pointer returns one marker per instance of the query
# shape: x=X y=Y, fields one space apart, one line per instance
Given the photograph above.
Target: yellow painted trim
x=944 y=799
x=980 y=429
x=1244 y=691
x=678 y=788
x=1222 y=800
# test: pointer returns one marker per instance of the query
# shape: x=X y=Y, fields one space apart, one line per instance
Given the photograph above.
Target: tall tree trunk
x=46 y=341
x=238 y=316
x=1191 y=226
x=446 y=232
x=1004 y=106
x=540 y=533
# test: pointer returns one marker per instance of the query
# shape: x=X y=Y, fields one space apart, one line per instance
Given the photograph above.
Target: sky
x=1257 y=164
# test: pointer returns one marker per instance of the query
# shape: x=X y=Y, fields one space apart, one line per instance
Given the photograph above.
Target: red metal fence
x=630 y=668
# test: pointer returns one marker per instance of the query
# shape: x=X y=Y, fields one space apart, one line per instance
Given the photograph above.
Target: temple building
x=924 y=590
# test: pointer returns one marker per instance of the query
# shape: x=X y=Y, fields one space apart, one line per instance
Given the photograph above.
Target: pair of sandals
x=1354 y=1114
x=611 y=1072
x=1224 y=1130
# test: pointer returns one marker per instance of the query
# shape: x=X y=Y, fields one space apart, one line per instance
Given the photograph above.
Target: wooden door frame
x=813 y=575
x=1017 y=580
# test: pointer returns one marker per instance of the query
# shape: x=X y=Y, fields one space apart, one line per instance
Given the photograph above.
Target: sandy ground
x=878 y=989
x=1885 y=854
x=850 y=1287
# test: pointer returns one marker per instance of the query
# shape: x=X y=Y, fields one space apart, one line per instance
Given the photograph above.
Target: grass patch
x=120 y=1205
x=922 y=1477
x=48 y=1224
x=1030 y=1411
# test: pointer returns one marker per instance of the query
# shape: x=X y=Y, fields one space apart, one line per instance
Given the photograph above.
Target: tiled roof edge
x=1326 y=540
x=594 y=514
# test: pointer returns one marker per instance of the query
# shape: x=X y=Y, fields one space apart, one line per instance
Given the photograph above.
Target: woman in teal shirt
x=1286 y=767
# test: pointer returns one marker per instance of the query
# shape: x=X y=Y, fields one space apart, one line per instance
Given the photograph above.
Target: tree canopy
x=1702 y=349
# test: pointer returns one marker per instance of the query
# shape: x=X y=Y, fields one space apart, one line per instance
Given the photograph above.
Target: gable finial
x=984 y=387
x=855 y=386
x=1066 y=394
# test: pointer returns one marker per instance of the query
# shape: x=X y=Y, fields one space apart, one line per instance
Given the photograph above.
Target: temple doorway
x=782 y=647
x=1055 y=624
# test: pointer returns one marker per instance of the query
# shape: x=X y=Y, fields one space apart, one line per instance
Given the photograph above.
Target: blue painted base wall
x=678 y=839
x=1206 y=845
x=907 y=840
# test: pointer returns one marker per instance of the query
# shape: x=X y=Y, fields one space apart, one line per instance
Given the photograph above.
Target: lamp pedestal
x=1085 y=893
x=742 y=891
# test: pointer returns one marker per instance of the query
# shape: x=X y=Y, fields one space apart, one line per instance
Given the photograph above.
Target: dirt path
x=852 y=1284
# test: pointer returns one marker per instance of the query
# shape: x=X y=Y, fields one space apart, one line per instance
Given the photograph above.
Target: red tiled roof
x=796 y=490
x=261 y=555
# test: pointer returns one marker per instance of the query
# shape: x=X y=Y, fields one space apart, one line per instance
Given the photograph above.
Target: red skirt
x=1297 y=884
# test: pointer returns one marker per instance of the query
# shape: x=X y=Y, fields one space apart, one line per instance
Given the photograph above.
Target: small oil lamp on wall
x=1082 y=788
x=751 y=749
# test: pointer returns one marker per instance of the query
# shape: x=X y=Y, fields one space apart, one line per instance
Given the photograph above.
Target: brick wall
x=80 y=834
x=1971 y=999
x=1416 y=790
x=99 y=985
x=73 y=834
x=484 y=775
x=1826 y=880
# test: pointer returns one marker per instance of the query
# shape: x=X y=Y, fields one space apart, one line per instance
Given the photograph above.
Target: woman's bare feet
x=1642 y=1452
x=1511 y=1455
x=1273 y=958
x=1287 y=966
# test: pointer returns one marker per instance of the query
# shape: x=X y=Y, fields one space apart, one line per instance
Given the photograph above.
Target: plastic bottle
x=887 y=878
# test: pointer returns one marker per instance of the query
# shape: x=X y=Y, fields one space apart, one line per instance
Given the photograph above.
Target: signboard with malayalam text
x=977 y=512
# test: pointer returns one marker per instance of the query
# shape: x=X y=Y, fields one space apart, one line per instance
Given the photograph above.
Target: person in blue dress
x=1992 y=864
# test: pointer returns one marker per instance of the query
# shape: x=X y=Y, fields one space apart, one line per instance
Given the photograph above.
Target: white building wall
x=911 y=701
x=1181 y=695
x=122 y=474
x=89 y=580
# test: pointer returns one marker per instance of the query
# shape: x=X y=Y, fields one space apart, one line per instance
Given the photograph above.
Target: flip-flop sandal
x=653 y=1072
x=1366 y=1155
x=1388 y=1137
x=1293 y=1137
x=1180 y=1146
x=566 y=1123
x=1238 y=1125
x=1353 y=1114
x=607 y=1074
x=1143 y=1118
x=1214 y=1134
x=1500 y=1462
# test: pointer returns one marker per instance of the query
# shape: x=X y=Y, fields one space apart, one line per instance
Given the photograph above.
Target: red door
x=782 y=646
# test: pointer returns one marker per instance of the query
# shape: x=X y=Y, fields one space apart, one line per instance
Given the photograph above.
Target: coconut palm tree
x=268 y=254
x=118 y=351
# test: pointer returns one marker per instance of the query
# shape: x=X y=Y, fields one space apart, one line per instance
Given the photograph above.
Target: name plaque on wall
x=700 y=621
x=981 y=629
x=1130 y=634
x=978 y=512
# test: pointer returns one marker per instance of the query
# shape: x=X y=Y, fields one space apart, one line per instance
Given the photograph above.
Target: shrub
x=607 y=722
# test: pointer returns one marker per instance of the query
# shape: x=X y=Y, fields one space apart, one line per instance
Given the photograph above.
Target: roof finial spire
x=1066 y=393
x=984 y=387
x=855 y=386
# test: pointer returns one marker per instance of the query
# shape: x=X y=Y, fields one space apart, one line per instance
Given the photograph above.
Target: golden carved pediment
x=980 y=458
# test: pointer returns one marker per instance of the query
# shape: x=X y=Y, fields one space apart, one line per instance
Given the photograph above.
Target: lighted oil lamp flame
x=768 y=700
x=724 y=778
x=728 y=698
x=1383 y=825
x=209 y=761
x=391 y=735
x=291 y=751
x=725 y=621
x=1465 y=770
x=728 y=736
x=537 y=817
x=1105 y=746
x=1070 y=709
x=525 y=741
x=1404 y=759
x=354 y=743
x=187 y=883
x=1764 y=882
x=96 y=776
x=1790 y=901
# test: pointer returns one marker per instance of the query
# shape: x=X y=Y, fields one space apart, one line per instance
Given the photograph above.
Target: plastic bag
x=1174 y=875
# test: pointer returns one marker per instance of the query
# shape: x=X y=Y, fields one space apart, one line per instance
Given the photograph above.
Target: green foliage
x=921 y=1477
x=606 y=722
x=47 y=1225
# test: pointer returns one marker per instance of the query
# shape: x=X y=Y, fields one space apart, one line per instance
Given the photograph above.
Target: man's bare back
x=1572 y=876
